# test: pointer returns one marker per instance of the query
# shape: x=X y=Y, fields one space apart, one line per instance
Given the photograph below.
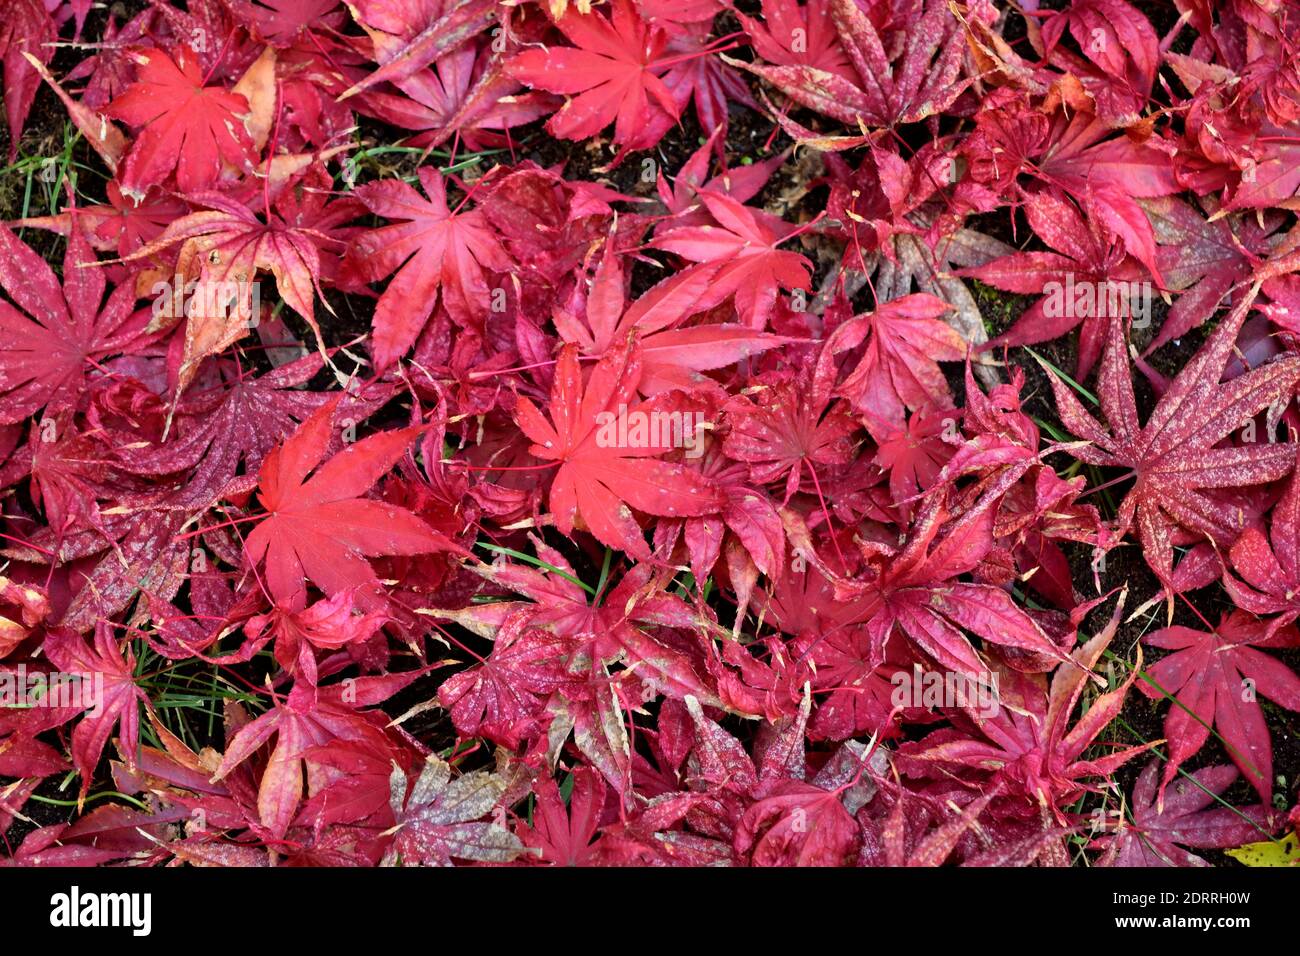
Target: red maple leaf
x=672 y=354
x=563 y=835
x=436 y=252
x=918 y=593
x=1205 y=259
x=1215 y=676
x=440 y=818
x=899 y=369
x=907 y=65
x=318 y=529
x=598 y=479
x=775 y=39
x=741 y=254
x=1026 y=741
x=226 y=242
x=790 y=426
x=613 y=71
x=1178 y=457
x=119 y=224
x=1270 y=567
x=361 y=769
x=101 y=669
x=184 y=125
x=1162 y=828
x=1089 y=258
x=45 y=353
x=227 y=426
x=27 y=27
x=915 y=456
x=309 y=717
x=1122 y=53
x=467 y=95
x=621 y=625
x=504 y=694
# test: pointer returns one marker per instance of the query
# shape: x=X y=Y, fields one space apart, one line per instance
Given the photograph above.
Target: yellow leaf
x=1269 y=853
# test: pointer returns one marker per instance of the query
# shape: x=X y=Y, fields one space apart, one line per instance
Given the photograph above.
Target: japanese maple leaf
x=1270 y=566
x=318 y=529
x=907 y=67
x=500 y=697
x=1161 y=835
x=1272 y=175
x=119 y=224
x=21 y=753
x=1079 y=154
x=438 y=820
x=44 y=354
x=1177 y=457
x=742 y=255
x=794 y=823
x=858 y=694
x=803 y=604
x=141 y=550
x=27 y=27
x=748 y=532
x=613 y=72
x=328 y=625
x=230 y=244
x=899 y=371
x=1108 y=175
x=1089 y=257
x=109 y=676
x=360 y=789
x=775 y=816
x=307 y=718
x=283 y=22
x=597 y=481
x=436 y=253
x=788 y=427
x=467 y=95
x=227 y=426
x=43 y=848
x=408 y=37
x=563 y=835
x=110 y=69
x=672 y=355
x=1027 y=743
x=69 y=475
x=183 y=125
x=1202 y=258
x=1215 y=677
x=917 y=591
x=622 y=625
x=915 y=456
x=695 y=72
x=741 y=183
x=1123 y=49
x=907 y=834
x=817 y=47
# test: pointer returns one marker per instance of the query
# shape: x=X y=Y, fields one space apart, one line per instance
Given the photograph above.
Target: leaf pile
x=412 y=502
